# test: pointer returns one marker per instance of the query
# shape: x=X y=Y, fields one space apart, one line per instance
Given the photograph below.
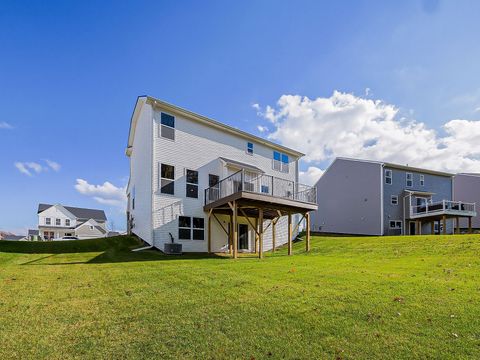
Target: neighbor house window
x=48 y=221
x=192 y=184
x=395 y=224
x=67 y=222
x=394 y=200
x=409 y=178
x=58 y=222
x=191 y=228
x=91 y=227
x=167 y=127
x=280 y=162
x=388 y=177
x=249 y=148
x=167 y=176
x=422 y=180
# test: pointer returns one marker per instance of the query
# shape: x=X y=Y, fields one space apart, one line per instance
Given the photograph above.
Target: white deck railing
x=443 y=207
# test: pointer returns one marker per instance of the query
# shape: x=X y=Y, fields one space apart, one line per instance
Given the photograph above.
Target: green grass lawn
x=351 y=298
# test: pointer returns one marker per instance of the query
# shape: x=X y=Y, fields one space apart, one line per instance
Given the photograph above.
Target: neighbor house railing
x=444 y=206
x=260 y=184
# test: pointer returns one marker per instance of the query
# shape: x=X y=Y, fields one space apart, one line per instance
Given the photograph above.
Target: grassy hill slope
x=389 y=297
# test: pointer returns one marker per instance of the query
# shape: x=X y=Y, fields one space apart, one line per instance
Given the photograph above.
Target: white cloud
x=106 y=194
x=262 y=129
x=5 y=125
x=310 y=176
x=30 y=167
x=351 y=126
x=53 y=165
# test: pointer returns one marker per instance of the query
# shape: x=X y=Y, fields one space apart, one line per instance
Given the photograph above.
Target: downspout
x=382 y=214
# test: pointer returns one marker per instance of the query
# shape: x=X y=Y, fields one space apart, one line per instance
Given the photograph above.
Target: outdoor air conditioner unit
x=172 y=248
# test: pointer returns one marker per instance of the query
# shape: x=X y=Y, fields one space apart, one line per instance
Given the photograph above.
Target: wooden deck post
x=234 y=232
x=210 y=231
x=419 y=227
x=469 y=224
x=260 y=233
x=290 y=248
x=256 y=234
x=274 y=235
x=457 y=223
x=432 y=227
x=307 y=236
x=444 y=221
x=230 y=234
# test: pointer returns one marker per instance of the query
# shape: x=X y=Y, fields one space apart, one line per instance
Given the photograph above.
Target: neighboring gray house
x=378 y=198
x=467 y=187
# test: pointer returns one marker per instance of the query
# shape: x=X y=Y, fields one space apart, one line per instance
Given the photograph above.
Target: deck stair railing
x=442 y=206
x=261 y=184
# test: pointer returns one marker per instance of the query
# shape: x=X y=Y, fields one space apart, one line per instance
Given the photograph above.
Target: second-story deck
x=445 y=207
x=263 y=191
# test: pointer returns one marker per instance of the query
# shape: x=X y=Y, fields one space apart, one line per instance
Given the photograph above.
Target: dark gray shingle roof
x=80 y=213
x=33 y=232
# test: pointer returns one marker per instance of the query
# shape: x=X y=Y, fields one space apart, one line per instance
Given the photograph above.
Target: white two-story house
x=58 y=221
x=209 y=186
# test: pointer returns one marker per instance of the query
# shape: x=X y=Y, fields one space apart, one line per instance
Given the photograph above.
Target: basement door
x=242 y=237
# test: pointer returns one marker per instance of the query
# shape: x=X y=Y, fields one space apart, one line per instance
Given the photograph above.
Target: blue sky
x=70 y=73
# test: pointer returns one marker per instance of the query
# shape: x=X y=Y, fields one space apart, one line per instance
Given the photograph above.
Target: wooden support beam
x=307 y=235
x=256 y=235
x=432 y=228
x=298 y=224
x=220 y=223
x=235 y=231
x=419 y=227
x=444 y=221
x=457 y=223
x=469 y=224
x=274 y=224
x=230 y=235
x=210 y=231
x=290 y=234
x=260 y=233
x=279 y=213
x=248 y=219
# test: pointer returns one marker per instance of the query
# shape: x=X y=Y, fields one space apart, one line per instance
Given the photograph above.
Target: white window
x=422 y=180
x=388 y=177
x=48 y=221
x=67 y=222
x=395 y=224
x=192 y=184
x=167 y=126
x=167 y=176
x=280 y=162
x=91 y=227
x=191 y=228
x=409 y=179
x=58 y=222
x=249 y=148
x=394 y=200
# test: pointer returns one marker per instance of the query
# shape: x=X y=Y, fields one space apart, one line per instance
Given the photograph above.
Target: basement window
x=395 y=224
x=167 y=176
x=192 y=184
x=167 y=126
x=191 y=228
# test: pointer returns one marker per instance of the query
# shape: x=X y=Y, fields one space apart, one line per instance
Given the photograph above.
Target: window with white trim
x=67 y=222
x=388 y=177
x=280 y=162
x=395 y=224
x=191 y=228
x=394 y=200
x=58 y=222
x=167 y=126
x=167 y=176
x=409 y=179
x=48 y=221
x=422 y=180
x=249 y=148
x=192 y=184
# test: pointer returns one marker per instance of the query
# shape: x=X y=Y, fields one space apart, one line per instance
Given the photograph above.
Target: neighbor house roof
x=32 y=232
x=13 y=237
x=80 y=213
x=401 y=167
x=141 y=100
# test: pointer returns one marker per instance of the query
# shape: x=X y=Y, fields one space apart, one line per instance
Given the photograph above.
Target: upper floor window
x=167 y=127
x=422 y=180
x=167 y=176
x=388 y=177
x=249 y=148
x=409 y=179
x=280 y=162
x=48 y=221
x=67 y=222
x=58 y=222
x=192 y=184
x=394 y=200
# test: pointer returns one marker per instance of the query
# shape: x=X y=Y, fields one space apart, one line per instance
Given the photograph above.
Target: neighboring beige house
x=57 y=221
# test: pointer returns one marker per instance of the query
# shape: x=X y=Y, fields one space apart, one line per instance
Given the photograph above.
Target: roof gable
x=79 y=213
